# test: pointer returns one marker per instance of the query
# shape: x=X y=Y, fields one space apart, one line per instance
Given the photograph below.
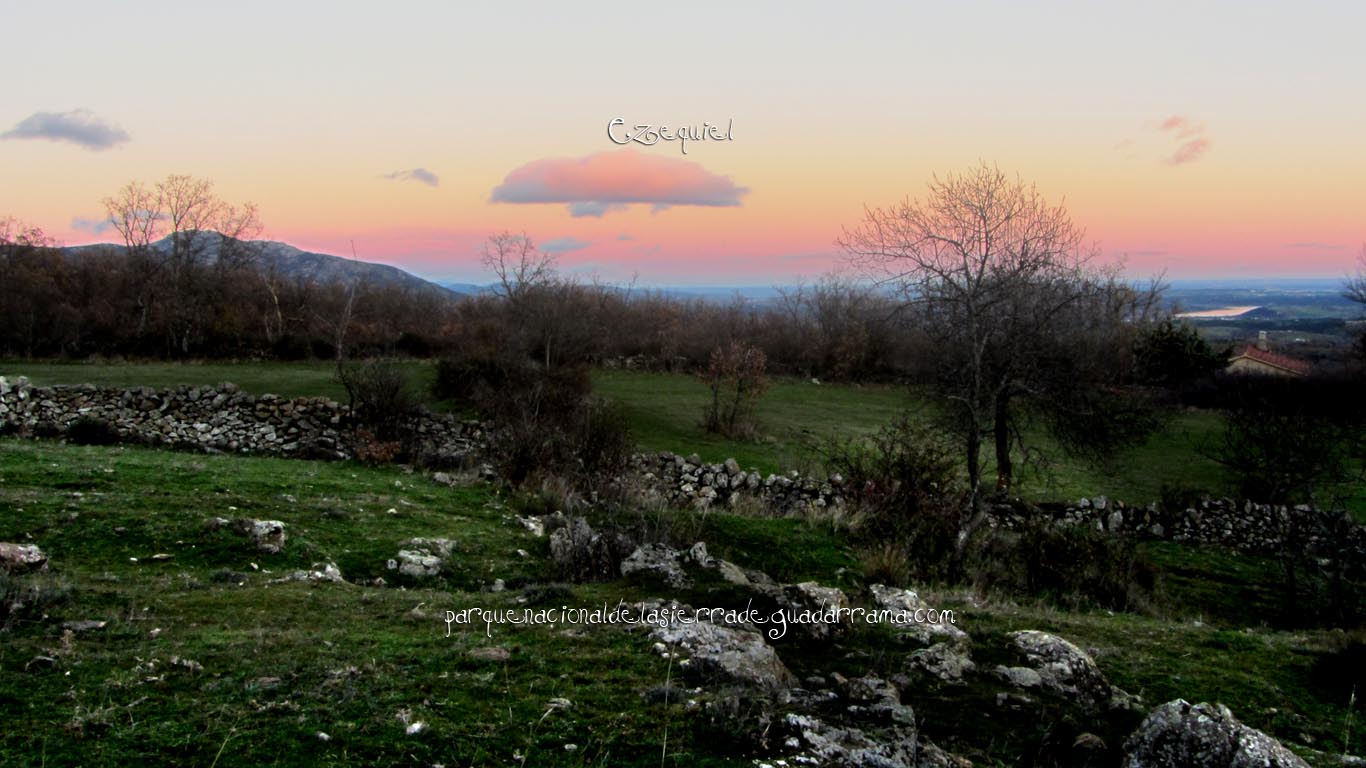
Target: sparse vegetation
x=735 y=377
x=346 y=660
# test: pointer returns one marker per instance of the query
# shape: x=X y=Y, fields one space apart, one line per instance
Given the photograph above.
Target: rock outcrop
x=717 y=653
x=913 y=618
x=21 y=558
x=221 y=418
x=1183 y=735
x=267 y=535
x=421 y=557
x=1065 y=670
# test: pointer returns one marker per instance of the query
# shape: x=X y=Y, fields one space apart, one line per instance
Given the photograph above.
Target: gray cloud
x=93 y=226
x=79 y=126
x=594 y=209
x=421 y=175
x=623 y=236
x=564 y=245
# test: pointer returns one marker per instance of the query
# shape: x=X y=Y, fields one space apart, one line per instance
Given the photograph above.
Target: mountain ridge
x=285 y=260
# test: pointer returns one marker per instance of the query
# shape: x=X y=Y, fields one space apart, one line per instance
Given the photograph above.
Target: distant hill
x=465 y=289
x=290 y=262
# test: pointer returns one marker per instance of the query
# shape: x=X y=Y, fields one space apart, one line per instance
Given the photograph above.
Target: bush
x=368 y=449
x=1071 y=566
x=290 y=347
x=1173 y=356
x=413 y=345
x=547 y=420
x=89 y=430
x=906 y=494
x=735 y=376
x=887 y=564
x=380 y=397
x=1289 y=440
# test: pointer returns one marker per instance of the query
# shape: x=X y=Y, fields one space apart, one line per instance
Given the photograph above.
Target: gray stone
x=946 y=662
x=906 y=605
x=267 y=535
x=720 y=654
x=1182 y=735
x=658 y=562
x=1020 y=677
x=877 y=699
x=809 y=600
x=583 y=554
x=21 y=558
x=422 y=557
x=1068 y=671
x=320 y=572
x=846 y=747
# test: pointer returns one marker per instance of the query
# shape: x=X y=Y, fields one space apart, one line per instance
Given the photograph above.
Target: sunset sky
x=1206 y=139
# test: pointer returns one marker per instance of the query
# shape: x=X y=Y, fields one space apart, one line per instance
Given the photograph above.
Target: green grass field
x=303 y=379
x=665 y=413
x=204 y=661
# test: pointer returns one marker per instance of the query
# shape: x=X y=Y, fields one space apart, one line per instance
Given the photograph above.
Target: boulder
x=1067 y=671
x=1019 y=677
x=721 y=654
x=946 y=662
x=267 y=535
x=876 y=699
x=827 y=605
x=656 y=562
x=21 y=558
x=821 y=743
x=1182 y=735
x=320 y=572
x=583 y=554
x=905 y=605
x=422 y=557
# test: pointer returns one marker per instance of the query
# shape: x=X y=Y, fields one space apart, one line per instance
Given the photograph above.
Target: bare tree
x=518 y=265
x=338 y=319
x=135 y=212
x=995 y=276
x=182 y=210
x=543 y=307
x=1355 y=289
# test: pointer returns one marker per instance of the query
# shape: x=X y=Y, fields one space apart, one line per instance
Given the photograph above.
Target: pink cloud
x=600 y=183
x=1190 y=137
x=1189 y=152
x=1183 y=127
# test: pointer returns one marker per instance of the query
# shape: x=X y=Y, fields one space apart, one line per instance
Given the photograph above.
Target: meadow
x=205 y=657
x=797 y=418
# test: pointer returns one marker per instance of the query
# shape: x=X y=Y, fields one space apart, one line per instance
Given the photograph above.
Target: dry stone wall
x=221 y=418
x=224 y=418
x=1266 y=529
x=690 y=482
